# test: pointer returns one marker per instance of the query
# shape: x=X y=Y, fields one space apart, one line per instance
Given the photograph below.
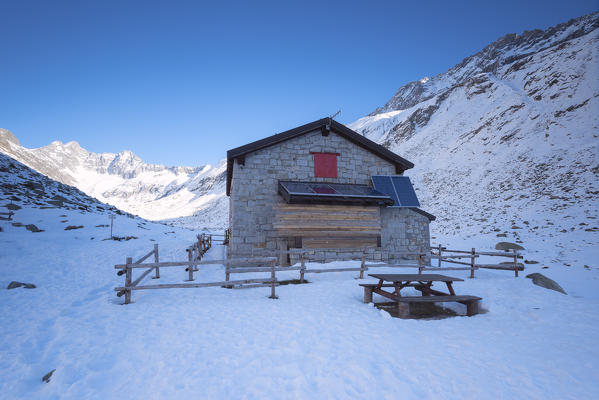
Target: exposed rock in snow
x=15 y=284
x=544 y=282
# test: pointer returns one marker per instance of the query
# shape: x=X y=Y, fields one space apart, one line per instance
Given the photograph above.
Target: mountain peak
x=503 y=51
x=7 y=136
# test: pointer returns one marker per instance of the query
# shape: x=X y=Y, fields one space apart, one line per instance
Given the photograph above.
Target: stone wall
x=254 y=186
x=404 y=230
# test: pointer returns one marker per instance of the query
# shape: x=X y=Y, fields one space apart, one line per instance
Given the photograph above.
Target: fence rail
x=440 y=253
x=267 y=263
x=10 y=214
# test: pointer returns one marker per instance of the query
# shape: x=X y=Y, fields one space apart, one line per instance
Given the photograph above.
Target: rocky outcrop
x=544 y=282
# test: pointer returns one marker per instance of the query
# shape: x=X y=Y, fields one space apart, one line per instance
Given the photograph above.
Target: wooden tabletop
x=415 y=277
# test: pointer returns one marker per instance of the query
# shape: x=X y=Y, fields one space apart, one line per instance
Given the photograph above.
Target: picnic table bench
x=422 y=283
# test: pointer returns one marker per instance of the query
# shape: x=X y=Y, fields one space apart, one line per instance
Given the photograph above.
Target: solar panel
x=383 y=184
x=337 y=189
x=399 y=188
x=298 y=191
x=405 y=191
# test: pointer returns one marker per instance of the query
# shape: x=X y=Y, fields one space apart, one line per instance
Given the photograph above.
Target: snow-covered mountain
x=507 y=140
x=154 y=192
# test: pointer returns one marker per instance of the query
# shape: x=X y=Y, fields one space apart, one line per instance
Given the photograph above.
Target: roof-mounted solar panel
x=398 y=187
x=316 y=192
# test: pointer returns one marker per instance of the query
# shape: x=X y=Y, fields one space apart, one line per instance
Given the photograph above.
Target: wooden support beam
x=318 y=271
x=472 y=266
x=363 y=265
x=190 y=267
x=303 y=267
x=128 y=273
x=263 y=260
x=245 y=270
x=367 y=294
x=193 y=285
x=144 y=257
x=447 y=268
x=143 y=275
x=273 y=281
x=156 y=260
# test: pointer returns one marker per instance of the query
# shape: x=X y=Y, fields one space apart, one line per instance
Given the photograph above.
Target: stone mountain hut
x=322 y=186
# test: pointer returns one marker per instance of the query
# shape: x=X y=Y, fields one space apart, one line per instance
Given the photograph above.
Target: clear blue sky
x=179 y=82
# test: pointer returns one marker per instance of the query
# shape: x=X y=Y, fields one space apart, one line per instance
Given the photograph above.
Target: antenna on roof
x=334 y=115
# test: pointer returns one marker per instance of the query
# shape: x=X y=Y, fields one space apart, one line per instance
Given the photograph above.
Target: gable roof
x=325 y=125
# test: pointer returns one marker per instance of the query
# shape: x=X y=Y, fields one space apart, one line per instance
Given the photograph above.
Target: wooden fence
x=443 y=254
x=9 y=218
x=267 y=262
x=128 y=268
x=197 y=250
x=224 y=238
x=305 y=256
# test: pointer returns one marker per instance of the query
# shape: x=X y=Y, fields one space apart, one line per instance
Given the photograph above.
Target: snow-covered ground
x=316 y=341
x=490 y=169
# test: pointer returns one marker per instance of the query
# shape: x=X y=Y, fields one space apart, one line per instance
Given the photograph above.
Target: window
x=325 y=165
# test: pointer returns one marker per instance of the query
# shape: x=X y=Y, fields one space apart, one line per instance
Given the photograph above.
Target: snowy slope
x=20 y=186
x=154 y=192
x=316 y=341
x=506 y=143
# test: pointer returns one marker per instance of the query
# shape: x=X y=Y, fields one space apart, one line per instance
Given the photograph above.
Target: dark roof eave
x=431 y=217
x=310 y=127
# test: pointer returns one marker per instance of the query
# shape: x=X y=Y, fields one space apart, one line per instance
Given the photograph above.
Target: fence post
x=128 y=273
x=303 y=269
x=440 y=249
x=156 y=260
x=515 y=262
x=363 y=264
x=273 y=280
x=420 y=260
x=472 y=265
x=189 y=266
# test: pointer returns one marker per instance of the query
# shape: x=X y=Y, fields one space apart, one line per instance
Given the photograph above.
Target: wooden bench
x=403 y=302
x=471 y=303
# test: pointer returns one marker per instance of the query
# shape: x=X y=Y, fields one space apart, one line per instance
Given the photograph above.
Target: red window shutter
x=325 y=165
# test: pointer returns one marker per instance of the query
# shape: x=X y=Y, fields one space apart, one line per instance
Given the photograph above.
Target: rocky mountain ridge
x=507 y=140
x=504 y=51
x=152 y=191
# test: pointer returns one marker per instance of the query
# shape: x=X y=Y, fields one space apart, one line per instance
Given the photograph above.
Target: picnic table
x=422 y=283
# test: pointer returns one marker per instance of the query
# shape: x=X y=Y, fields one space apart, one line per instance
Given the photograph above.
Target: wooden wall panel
x=329 y=226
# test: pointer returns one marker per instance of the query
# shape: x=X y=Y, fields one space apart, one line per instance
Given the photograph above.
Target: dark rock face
x=71 y=227
x=46 y=378
x=15 y=284
x=33 y=228
x=508 y=246
x=544 y=282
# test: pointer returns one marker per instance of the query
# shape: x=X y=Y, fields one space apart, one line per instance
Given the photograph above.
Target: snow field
x=316 y=341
